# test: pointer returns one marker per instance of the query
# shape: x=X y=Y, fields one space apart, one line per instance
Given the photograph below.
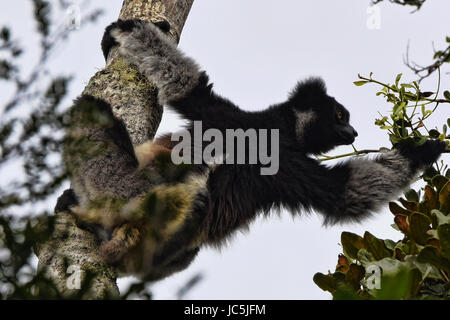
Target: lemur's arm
x=347 y=192
x=180 y=82
x=354 y=189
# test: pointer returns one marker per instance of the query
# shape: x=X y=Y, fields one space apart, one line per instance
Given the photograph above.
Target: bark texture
x=134 y=101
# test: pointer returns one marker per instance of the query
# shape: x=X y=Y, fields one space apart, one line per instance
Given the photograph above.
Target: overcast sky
x=254 y=52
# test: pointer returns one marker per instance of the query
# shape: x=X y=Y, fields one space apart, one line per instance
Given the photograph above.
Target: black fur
x=309 y=122
x=108 y=41
x=422 y=155
x=239 y=192
x=163 y=25
x=67 y=200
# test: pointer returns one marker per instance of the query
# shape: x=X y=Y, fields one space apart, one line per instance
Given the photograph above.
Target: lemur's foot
x=126 y=26
x=163 y=25
x=66 y=201
x=123 y=239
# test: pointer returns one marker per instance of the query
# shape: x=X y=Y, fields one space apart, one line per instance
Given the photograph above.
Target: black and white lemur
x=127 y=191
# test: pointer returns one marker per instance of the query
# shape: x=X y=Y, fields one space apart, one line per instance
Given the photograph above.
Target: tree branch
x=134 y=101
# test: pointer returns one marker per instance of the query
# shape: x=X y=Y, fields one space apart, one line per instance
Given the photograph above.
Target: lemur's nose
x=355 y=133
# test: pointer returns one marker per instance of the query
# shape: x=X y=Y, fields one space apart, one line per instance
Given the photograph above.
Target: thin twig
x=356 y=153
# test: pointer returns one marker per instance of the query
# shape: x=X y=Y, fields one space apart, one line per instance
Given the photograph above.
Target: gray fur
x=304 y=118
x=109 y=173
x=157 y=58
x=371 y=184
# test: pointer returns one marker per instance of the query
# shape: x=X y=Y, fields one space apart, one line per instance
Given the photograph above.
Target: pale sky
x=254 y=52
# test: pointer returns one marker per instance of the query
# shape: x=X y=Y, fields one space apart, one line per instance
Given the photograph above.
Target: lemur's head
x=321 y=123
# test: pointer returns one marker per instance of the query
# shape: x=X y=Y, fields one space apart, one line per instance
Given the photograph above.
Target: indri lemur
x=126 y=191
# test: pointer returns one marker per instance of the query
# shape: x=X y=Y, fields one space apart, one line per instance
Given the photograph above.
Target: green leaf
x=431 y=199
x=444 y=239
x=325 y=282
x=440 y=217
x=401 y=223
x=354 y=276
x=365 y=257
x=376 y=246
x=418 y=226
x=389 y=244
x=397 y=109
x=431 y=255
x=438 y=54
x=426 y=94
x=351 y=244
x=396 y=209
x=360 y=83
x=411 y=195
x=429 y=174
x=447 y=95
x=439 y=182
x=397 y=79
x=444 y=198
x=404 y=284
x=410 y=205
x=394 y=139
x=346 y=293
x=426 y=270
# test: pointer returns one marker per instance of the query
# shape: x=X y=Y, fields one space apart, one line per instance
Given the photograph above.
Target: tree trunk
x=134 y=101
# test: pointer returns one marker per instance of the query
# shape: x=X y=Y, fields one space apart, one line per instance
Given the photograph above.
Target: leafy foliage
x=31 y=129
x=418 y=266
x=411 y=107
x=31 y=132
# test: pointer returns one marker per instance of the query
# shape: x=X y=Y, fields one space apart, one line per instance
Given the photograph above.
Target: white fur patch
x=304 y=118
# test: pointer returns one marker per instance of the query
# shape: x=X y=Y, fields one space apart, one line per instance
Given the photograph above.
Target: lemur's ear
x=163 y=25
x=308 y=88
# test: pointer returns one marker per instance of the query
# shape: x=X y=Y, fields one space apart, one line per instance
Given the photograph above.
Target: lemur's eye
x=340 y=115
